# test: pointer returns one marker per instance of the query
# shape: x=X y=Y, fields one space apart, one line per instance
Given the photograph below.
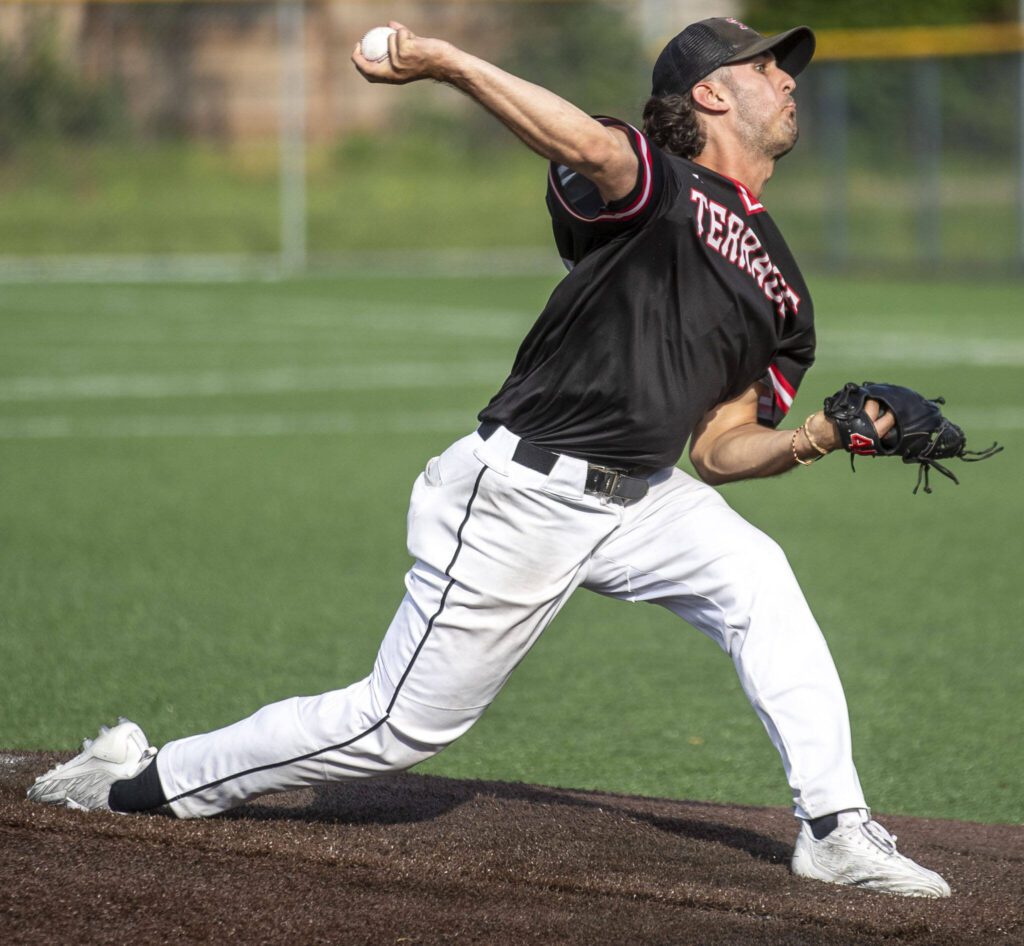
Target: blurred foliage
x=885 y=107
x=41 y=97
x=589 y=53
x=774 y=15
x=171 y=33
x=969 y=87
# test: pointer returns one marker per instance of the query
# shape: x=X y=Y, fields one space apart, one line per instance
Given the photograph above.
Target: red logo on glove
x=862 y=445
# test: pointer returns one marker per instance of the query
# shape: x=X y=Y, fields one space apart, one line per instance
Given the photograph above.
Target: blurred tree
x=588 y=52
x=40 y=97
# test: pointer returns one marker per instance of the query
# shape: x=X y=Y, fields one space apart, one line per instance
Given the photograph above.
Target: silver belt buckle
x=609 y=487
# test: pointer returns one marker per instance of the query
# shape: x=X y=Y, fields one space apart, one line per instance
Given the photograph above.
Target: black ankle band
x=142 y=793
x=822 y=827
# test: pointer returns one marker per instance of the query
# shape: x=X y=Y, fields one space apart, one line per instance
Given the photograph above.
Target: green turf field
x=202 y=502
x=408 y=191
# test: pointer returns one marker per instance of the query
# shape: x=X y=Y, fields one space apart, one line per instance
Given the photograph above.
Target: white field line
x=215 y=267
x=294 y=378
x=232 y=425
x=288 y=424
x=835 y=347
x=190 y=268
x=307 y=333
x=992 y=418
x=273 y=326
x=926 y=348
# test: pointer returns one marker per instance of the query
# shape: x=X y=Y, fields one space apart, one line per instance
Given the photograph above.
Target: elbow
x=711 y=477
x=705 y=470
x=589 y=159
x=713 y=467
x=600 y=154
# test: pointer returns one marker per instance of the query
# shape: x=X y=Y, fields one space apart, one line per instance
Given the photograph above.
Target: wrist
x=820 y=433
x=800 y=447
x=450 y=64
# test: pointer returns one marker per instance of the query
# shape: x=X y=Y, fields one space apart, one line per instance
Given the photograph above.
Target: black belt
x=601 y=480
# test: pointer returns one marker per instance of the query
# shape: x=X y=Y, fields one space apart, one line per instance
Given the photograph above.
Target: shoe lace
x=878 y=836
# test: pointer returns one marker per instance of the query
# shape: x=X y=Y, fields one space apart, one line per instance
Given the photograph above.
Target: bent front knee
x=419 y=731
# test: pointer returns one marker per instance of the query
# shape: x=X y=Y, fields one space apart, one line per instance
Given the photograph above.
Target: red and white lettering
x=718 y=214
x=731 y=244
x=701 y=201
x=793 y=299
x=760 y=268
x=750 y=203
x=728 y=234
x=748 y=245
x=864 y=446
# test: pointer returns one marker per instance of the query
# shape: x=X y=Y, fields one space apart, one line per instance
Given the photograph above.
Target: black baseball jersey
x=679 y=297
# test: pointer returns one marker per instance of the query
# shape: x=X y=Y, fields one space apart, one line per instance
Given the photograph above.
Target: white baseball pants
x=499 y=548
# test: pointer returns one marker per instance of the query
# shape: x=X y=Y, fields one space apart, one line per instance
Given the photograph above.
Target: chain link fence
x=235 y=137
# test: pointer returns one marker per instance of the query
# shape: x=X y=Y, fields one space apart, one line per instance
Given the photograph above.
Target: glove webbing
x=927 y=462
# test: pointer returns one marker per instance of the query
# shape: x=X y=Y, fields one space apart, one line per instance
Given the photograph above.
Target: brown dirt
x=418 y=859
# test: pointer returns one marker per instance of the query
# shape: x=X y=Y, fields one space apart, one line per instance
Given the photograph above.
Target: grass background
x=413 y=192
x=202 y=501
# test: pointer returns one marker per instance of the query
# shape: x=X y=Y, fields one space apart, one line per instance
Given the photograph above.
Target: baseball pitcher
x=683 y=318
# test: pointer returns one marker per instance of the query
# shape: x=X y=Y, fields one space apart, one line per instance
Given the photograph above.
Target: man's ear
x=709 y=95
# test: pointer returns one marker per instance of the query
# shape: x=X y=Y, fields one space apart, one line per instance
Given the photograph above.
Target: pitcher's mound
x=420 y=859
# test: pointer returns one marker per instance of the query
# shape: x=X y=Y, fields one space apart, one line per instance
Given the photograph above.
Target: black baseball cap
x=702 y=47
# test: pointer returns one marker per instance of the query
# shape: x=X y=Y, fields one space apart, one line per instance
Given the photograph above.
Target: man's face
x=763 y=105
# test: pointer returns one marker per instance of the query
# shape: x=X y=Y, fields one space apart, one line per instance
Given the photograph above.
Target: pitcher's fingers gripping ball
x=920 y=434
x=374 y=45
x=395 y=55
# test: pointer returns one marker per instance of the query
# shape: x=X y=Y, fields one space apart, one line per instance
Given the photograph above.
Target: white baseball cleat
x=861 y=853
x=84 y=781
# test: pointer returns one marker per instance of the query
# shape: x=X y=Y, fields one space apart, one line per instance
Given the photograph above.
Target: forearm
x=545 y=122
x=752 y=451
x=548 y=124
x=729 y=444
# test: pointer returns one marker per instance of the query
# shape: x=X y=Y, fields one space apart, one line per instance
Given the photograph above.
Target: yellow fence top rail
x=915 y=42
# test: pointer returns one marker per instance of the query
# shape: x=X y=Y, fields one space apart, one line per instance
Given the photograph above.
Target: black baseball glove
x=920 y=435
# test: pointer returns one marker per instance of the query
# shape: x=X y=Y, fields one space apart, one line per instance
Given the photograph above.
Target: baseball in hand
x=374 y=45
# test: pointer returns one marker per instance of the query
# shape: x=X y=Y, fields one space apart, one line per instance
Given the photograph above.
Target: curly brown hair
x=671 y=122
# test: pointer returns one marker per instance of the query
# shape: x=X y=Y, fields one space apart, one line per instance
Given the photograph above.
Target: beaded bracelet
x=796 y=456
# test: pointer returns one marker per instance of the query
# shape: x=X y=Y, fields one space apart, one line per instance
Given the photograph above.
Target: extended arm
x=546 y=123
x=729 y=444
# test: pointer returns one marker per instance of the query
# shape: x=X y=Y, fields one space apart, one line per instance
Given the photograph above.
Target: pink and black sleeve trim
x=577 y=201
